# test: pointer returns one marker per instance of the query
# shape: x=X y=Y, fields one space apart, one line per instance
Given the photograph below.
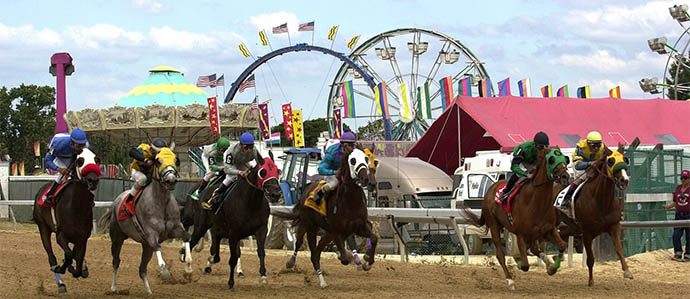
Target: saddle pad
x=42 y=201
x=128 y=209
x=309 y=202
x=507 y=207
x=561 y=196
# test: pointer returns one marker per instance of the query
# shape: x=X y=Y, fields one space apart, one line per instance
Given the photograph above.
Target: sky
x=114 y=43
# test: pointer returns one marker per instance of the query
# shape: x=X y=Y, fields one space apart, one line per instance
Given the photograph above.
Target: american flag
x=255 y=105
x=205 y=81
x=309 y=26
x=250 y=82
x=280 y=29
x=219 y=82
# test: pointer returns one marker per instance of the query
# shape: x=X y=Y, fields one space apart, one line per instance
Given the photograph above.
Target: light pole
x=60 y=67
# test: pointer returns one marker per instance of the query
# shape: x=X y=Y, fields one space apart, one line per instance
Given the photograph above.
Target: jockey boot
x=50 y=196
x=214 y=199
x=318 y=195
x=566 y=200
x=202 y=186
x=508 y=188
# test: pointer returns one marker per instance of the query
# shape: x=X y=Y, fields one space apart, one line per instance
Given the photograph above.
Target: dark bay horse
x=157 y=219
x=534 y=216
x=597 y=210
x=346 y=214
x=72 y=218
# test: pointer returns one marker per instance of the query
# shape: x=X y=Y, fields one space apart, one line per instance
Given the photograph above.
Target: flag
x=213 y=115
x=254 y=104
x=205 y=81
x=280 y=29
x=353 y=42
x=221 y=81
x=287 y=120
x=297 y=126
x=348 y=99
x=423 y=101
x=615 y=92
x=263 y=38
x=504 y=87
x=485 y=88
x=524 y=87
x=547 y=91
x=332 y=32
x=275 y=139
x=583 y=92
x=14 y=169
x=244 y=50
x=338 y=123
x=37 y=148
x=382 y=100
x=407 y=112
x=563 y=91
x=263 y=121
x=21 y=168
x=446 y=91
x=250 y=82
x=465 y=87
x=309 y=26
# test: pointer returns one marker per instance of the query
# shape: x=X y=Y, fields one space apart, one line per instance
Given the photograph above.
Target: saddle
x=128 y=209
x=309 y=202
x=507 y=207
x=58 y=191
x=561 y=196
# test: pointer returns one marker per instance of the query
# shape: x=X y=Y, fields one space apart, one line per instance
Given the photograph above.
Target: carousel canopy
x=165 y=86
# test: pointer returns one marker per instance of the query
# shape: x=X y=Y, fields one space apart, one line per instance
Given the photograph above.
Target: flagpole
x=334 y=36
x=312 y=35
x=223 y=85
x=289 y=42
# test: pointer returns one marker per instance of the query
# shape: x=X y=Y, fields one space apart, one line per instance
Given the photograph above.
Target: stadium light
x=679 y=13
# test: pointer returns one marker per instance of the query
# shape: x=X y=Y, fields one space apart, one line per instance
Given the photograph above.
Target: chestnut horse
x=596 y=208
x=533 y=214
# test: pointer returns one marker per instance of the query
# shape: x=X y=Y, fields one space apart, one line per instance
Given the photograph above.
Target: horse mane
x=540 y=175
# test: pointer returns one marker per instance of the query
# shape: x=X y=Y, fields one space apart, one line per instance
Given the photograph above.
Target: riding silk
x=321 y=207
x=42 y=201
x=507 y=207
x=561 y=196
x=128 y=209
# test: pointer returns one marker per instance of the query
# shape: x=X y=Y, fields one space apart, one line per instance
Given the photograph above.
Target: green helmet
x=222 y=143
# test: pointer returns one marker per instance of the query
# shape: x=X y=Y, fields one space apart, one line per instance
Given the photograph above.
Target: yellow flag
x=244 y=50
x=406 y=106
x=262 y=36
x=353 y=42
x=332 y=32
x=378 y=103
x=297 y=128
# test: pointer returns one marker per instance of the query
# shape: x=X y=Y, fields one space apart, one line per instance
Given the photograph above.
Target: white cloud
x=150 y=6
x=29 y=36
x=268 y=21
x=602 y=61
x=171 y=39
x=103 y=35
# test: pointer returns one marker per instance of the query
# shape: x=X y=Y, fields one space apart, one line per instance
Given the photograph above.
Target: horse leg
x=522 y=246
x=79 y=254
x=372 y=241
x=316 y=256
x=587 y=239
x=615 y=232
x=500 y=255
x=179 y=232
x=234 y=244
x=48 y=246
x=214 y=251
x=117 y=238
x=536 y=249
x=146 y=254
x=67 y=262
x=299 y=235
x=555 y=238
x=261 y=252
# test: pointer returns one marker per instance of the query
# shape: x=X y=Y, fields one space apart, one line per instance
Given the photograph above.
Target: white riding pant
x=209 y=175
x=139 y=179
x=61 y=163
x=229 y=179
x=331 y=183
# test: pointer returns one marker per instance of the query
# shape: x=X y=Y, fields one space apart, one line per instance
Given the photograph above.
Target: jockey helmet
x=348 y=137
x=594 y=137
x=223 y=143
x=541 y=139
x=78 y=136
x=159 y=142
x=247 y=138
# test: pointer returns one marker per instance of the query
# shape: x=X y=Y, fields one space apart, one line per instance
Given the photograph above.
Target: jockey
x=236 y=161
x=524 y=154
x=212 y=157
x=142 y=166
x=331 y=162
x=587 y=151
x=61 y=152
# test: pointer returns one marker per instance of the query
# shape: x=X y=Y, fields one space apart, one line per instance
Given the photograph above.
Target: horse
x=597 y=210
x=244 y=212
x=533 y=214
x=346 y=214
x=72 y=218
x=156 y=219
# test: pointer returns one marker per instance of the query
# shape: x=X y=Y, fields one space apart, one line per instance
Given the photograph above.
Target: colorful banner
x=37 y=148
x=263 y=38
x=14 y=169
x=446 y=91
x=406 y=112
x=382 y=100
x=583 y=92
x=563 y=91
x=524 y=87
x=348 y=99
x=423 y=101
x=244 y=50
x=353 y=42
x=465 y=87
x=338 y=123
x=287 y=120
x=275 y=139
x=547 y=91
x=264 y=125
x=298 y=129
x=615 y=92
x=485 y=88
x=504 y=87
x=332 y=32
x=213 y=118
x=21 y=169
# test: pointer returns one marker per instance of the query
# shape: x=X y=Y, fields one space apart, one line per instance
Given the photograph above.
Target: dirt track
x=24 y=273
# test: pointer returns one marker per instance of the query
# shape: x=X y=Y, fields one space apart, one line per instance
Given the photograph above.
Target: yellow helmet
x=594 y=137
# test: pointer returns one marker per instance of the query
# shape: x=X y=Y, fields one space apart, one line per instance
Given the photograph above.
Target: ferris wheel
x=430 y=57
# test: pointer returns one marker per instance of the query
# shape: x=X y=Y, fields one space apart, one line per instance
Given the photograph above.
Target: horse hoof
x=62 y=289
x=207 y=270
x=187 y=276
x=591 y=283
x=240 y=274
x=85 y=273
x=323 y=285
x=216 y=259
x=181 y=251
x=366 y=267
x=165 y=275
x=198 y=248
x=289 y=264
x=627 y=275
x=263 y=280
x=231 y=285
x=345 y=262
x=511 y=285
x=182 y=258
x=360 y=267
x=552 y=270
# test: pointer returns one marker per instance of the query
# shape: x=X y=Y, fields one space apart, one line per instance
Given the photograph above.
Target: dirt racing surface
x=24 y=273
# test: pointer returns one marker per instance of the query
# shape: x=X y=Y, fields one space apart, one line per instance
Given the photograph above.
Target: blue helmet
x=247 y=138
x=78 y=136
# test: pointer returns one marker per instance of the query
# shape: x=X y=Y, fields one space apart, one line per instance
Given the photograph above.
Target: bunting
x=563 y=91
x=348 y=99
x=382 y=100
x=263 y=38
x=615 y=92
x=213 y=115
x=423 y=101
x=287 y=120
x=264 y=125
x=244 y=50
x=298 y=129
x=485 y=88
x=332 y=32
x=504 y=87
x=583 y=92
x=406 y=112
x=524 y=87
x=338 y=131
x=14 y=169
x=21 y=169
x=465 y=87
x=547 y=91
x=446 y=91
x=37 y=148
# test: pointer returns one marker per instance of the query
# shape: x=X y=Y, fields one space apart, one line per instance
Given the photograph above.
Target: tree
x=683 y=80
x=30 y=112
x=372 y=131
x=312 y=130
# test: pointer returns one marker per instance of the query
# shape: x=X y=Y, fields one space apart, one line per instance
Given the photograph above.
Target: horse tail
x=104 y=221
x=472 y=218
x=285 y=215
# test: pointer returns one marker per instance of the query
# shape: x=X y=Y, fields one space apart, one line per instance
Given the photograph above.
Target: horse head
x=267 y=179
x=87 y=168
x=617 y=167
x=166 y=163
x=373 y=164
x=557 y=166
x=358 y=165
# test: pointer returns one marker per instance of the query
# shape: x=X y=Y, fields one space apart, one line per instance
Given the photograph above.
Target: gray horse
x=157 y=218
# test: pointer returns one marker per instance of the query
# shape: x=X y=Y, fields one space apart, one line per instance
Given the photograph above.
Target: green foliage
x=28 y=115
x=312 y=129
x=683 y=80
x=109 y=153
x=372 y=131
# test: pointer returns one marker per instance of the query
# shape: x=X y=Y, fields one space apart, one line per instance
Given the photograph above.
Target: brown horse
x=346 y=214
x=533 y=213
x=72 y=218
x=597 y=210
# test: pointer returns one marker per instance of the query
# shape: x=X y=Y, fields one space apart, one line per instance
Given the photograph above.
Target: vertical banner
x=547 y=91
x=446 y=91
x=213 y=115
x=297 y=128
x=485 y=88
x=37 y=148
x=525 y=88
x=21 y=168
x=382 y=100
x=287 y=120
x=338 y=123
x=14 y=169
x=465 y=87
x=348 y=99
x=583 y=92
x=615 y=92
x=563 y=91
x=424 y=101
x=504 y=87
x=406 y=112
x=263 y=121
